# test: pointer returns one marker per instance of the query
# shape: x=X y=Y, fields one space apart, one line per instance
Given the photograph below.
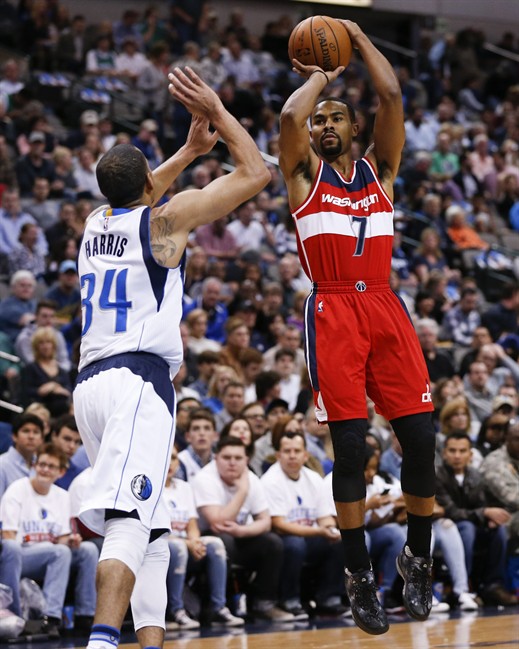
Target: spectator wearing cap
x=65 y=292
x=88 y=123
x=34 y=164
x=217 y=240
x=147 y=142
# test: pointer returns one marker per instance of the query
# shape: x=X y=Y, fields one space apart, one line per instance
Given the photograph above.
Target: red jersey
x=345 y=227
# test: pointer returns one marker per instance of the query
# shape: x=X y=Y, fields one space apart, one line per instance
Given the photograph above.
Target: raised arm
x=388 y=131
x=199 y=141
x=297 y=160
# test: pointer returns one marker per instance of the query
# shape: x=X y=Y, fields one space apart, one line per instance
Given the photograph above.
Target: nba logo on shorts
x=141 y=487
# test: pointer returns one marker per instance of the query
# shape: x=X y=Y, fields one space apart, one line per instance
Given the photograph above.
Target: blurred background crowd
x=71 y=88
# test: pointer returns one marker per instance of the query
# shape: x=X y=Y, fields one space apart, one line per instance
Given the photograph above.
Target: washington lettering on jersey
x=344 y=228
x=105 y=244
x=346 y=201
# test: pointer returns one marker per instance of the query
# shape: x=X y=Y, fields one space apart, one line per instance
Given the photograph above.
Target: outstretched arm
x=199 y=141
x=296 y=156
x=388 y=131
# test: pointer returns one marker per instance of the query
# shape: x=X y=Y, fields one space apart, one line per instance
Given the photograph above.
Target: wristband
x=322 y=72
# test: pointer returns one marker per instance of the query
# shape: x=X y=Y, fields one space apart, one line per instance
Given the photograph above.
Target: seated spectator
x=65 y=437
x=130 y=61
x=34 y=165
x=206 y=364
x=479 y=391
x=46 y=547
x=233 y=400
x=184 y=408
x=146 y=141
x=232 y=505
x=501 y=318
x=18 y=461
x=45 y=316
x=65 y=292
x=12 y=217
x=460 y=492
x=191 y=553
x=65 y=184
x=307 y=528
x=209 y=301
x=251 y=361
x=223 y=374
x=217 y=241
x=85 y=175
x=201 y=436
x=43 y=380
x=461 y=233
x=461 y=321
x=102 y=59
x=501 y=479
x=290 y=337
x=17 y=310
x=428 y=255
x=290 y=383
x=480 y=336
x=439 y=361
x=254 y=413
x=241 y=428
x=455 y=417
x=493 y=430
x=26 y=255
x=40 y=206
x=237 y=339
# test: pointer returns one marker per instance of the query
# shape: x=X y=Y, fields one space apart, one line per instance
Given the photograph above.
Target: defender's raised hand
x=200 y=139
x=188 y=88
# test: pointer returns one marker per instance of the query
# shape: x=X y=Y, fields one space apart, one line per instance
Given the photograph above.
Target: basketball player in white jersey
x=130 y=266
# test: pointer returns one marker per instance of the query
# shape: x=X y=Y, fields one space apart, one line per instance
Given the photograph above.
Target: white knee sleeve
x=126 y=539
x=149 y=598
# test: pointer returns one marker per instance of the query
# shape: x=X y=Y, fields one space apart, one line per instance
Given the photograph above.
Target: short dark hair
x=121 y=174
x=201 y=413
x=46 y=304
x=265 y=381
x=284 y=352
x=457 y=434
x=229 y=441
x=29 y=418
x=207 y=356
x=288 y=435
x=64 y=421
x=339 y=100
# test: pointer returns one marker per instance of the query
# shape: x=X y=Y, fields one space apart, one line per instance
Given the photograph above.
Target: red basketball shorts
x=360 y=340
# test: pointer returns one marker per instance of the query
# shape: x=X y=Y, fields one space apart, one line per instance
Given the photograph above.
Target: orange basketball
x=322 y=41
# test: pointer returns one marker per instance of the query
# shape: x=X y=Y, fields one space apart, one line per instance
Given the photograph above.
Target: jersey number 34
x=101 y=298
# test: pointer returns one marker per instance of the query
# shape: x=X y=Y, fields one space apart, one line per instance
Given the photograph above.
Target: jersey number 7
x=120 y=304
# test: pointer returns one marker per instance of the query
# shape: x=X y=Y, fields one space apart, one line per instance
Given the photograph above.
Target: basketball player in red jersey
x=359 y=337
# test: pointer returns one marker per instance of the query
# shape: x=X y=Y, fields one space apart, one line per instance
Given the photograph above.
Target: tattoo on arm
x=162 y=244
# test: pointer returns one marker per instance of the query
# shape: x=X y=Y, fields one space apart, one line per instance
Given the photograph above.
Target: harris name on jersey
x=105 y=244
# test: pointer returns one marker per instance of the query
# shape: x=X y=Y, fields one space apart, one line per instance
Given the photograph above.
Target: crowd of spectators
x=244 y=375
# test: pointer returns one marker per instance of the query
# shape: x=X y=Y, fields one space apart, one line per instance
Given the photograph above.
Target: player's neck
x=343 y=164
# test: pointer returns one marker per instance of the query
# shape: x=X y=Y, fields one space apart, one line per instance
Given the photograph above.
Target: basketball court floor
x=490 y=628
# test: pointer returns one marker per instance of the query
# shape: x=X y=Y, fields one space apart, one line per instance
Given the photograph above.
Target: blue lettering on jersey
x=106 y=244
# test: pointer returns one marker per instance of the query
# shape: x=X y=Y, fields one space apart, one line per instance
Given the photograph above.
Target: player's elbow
x=288 y=116
x=255 y=176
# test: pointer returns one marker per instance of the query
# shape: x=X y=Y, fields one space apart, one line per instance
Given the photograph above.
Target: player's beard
x=331 y=149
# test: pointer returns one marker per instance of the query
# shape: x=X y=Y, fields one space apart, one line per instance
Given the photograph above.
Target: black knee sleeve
x=349 y=444
x=417 y=439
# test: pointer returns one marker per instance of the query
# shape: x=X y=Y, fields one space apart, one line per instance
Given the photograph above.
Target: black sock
x=356 y=555
x=419 y=534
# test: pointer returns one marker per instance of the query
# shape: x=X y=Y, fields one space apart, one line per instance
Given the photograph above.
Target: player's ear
x=354 y=129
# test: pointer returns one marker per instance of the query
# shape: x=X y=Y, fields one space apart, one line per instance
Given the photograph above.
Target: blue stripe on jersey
x=310 y=353
x=157 y=274
x=149 y=367
x=363 y=176
x=402 y=303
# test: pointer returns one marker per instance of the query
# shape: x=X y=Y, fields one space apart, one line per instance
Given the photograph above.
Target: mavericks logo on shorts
x=141 y=487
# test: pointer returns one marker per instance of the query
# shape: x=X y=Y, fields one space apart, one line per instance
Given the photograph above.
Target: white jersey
x=299 y=501
x=210 y=489
x=181 y=506
x=129 y=302
x=35 y=517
